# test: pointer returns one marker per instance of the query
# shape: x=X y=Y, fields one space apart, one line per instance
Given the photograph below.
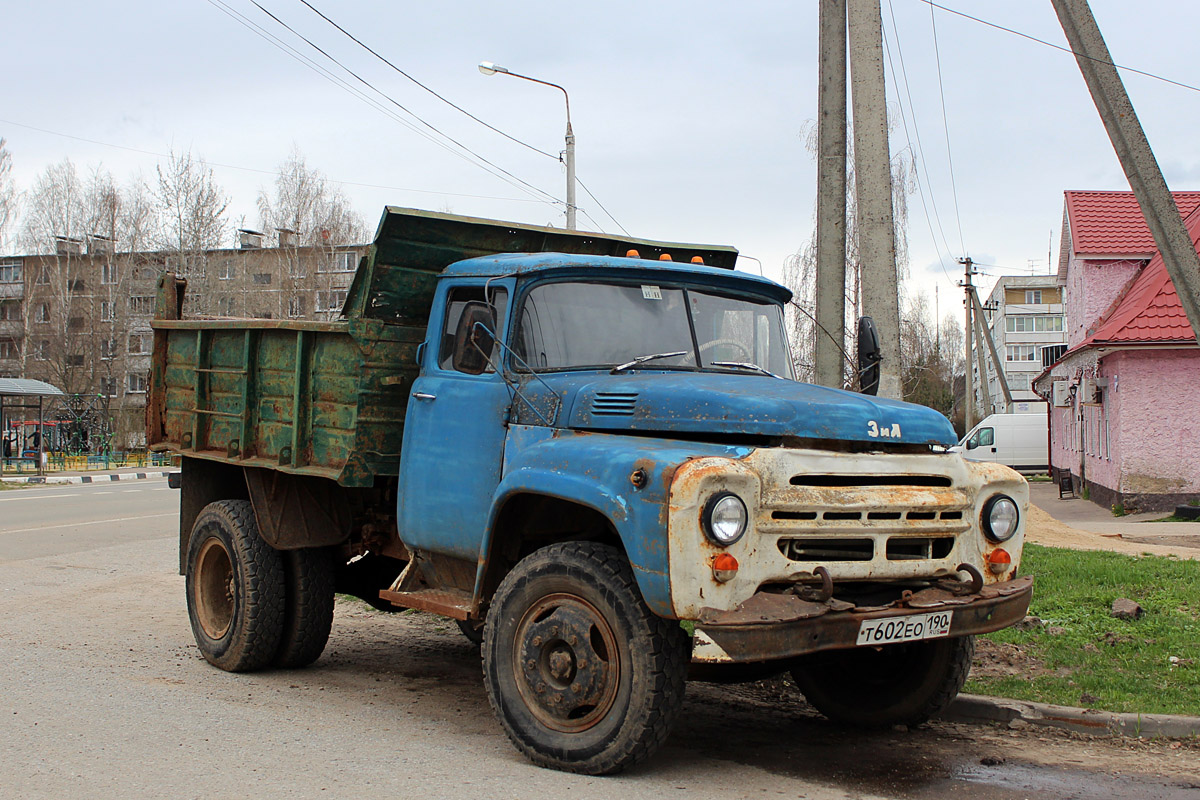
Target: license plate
x=889 y=630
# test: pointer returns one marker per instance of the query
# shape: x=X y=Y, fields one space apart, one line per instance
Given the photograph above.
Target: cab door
x=454 y=432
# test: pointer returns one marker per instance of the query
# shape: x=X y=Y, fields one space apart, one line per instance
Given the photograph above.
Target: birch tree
x=304 y=201
x=8 y=192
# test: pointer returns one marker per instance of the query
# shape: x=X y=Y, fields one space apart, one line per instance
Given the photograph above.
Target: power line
x=946 y=127
x=1060 y=47
x=341 y=83
x=396 y=103
x=457 y=107
x=450 y=103
x=917 y=133
x=274 y=173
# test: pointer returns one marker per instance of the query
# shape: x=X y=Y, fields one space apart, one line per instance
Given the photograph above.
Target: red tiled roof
x=1109 y=224
x=1149 y=310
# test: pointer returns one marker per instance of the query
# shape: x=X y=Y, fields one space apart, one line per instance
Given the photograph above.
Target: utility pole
x=968 y=388
x=873 y=184
x=831 y=195
x=981 y=321
x=1133 y=150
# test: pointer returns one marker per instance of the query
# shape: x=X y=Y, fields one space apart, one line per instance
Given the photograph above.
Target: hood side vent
x=614 y=404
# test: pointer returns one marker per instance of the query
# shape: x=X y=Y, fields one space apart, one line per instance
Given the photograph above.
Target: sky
x=691 y=118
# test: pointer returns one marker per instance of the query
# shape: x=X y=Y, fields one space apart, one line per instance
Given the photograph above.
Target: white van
x=1015 y=440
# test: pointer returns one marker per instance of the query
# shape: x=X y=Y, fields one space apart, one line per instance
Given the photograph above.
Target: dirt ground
x=1041 y=528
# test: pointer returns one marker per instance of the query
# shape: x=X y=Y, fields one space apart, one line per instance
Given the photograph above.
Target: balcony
x=11 y=290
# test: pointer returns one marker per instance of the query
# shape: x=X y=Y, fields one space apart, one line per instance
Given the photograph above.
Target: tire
x=898 y=684
x=235 y=588
x=581 y=674
x=308 y=607
x=472 y=629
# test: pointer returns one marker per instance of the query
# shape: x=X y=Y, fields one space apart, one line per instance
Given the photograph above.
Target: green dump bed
x=328 y=398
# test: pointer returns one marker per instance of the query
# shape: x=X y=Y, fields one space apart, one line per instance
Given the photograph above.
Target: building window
x=1021 y=352
x=227 y=270
x=43 y=277
x=108 y=349
x=10 y=310
x=41 y=350
x=1018 y=381
x=296 y=306
x=225 y=307
x=76 y=285
x=106 y=311
x=10 y=272
x=139 y=344
x=139 y=304
x=344 y=261
x=43 y=313
x=262 y=279
x=75 y=360
x=136 y=383
x=9 y=349
x=331 y=301
x=108 y=386
x=108 y=274
x=1033 y=297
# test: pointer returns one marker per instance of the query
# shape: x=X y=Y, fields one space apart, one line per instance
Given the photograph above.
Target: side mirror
x=474 y=339
x=973 y=443
x=868 y=356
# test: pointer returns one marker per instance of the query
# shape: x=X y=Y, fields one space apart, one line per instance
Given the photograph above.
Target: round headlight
x=1000 y=517
x=725 y=518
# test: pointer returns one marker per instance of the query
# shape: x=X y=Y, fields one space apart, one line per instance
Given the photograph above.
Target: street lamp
x=488 y=68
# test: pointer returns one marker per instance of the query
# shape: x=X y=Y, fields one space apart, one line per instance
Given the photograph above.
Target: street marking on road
x=88 y=522
x=127 y=491
x=36 y=497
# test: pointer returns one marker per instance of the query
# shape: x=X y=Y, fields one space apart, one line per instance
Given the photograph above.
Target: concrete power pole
x=831 y=195
x=1133 y=151
x=873 y=184
x=968 y=388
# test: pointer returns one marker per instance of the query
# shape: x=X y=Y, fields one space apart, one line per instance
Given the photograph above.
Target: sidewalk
x=1083 y=525
x=93 y=476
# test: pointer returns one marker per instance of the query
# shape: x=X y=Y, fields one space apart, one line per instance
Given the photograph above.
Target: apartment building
x=80 y=318
x=1025 y=319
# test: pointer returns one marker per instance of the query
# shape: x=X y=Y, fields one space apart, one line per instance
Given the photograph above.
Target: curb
x=103 y=478
x=973 y=708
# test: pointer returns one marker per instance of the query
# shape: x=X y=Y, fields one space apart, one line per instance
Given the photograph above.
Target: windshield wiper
x=644 y=359
x=744 y=365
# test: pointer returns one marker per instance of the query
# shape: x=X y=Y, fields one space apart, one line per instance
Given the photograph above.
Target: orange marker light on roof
x=631 y=253
x=665 y=257
x=697 y=260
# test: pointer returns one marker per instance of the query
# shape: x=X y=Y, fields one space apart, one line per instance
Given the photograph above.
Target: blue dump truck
x=592 y=452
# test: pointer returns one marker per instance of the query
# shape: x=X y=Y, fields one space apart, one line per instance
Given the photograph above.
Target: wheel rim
x=215 y=589
x=566 y=663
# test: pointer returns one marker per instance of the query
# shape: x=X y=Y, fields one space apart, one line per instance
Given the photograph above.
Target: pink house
x=1125 y=396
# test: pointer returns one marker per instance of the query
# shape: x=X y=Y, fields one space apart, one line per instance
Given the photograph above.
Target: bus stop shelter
x=19 y=393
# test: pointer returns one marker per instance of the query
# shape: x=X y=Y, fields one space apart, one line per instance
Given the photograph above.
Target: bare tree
x=191 y=206
x=8 y=192
x=800 y=269
x=54 y=209
x=305 y=203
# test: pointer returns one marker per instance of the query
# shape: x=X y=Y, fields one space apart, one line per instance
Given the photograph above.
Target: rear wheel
x=235 y=589
x=582 y=675
x=898 y=684
x=308 y=612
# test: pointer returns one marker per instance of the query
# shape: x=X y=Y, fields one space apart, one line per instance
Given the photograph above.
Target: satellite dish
x=868 y=356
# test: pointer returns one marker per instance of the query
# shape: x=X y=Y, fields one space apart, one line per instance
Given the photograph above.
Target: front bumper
x=771 y=626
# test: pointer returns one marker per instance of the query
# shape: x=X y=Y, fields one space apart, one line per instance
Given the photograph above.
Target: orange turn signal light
x=999 y=560
x=665 y=257
x=631 y=253
x=697 y=260
x=724 y=567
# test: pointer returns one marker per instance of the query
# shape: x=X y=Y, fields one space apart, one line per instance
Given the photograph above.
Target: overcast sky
x=690 y=116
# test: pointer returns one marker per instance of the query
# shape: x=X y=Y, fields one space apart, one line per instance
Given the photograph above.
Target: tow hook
x=823 y=594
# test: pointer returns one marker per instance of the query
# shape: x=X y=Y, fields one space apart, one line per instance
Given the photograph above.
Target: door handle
x=424 y=396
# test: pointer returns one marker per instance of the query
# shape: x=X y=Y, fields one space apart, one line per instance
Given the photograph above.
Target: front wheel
x=582 y=675
x=898 y=684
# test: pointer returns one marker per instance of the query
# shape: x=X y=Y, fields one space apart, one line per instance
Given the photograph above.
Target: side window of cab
x=984 y=437
x=456 y=300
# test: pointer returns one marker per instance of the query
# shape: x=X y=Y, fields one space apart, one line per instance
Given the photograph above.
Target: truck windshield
x=573 y=325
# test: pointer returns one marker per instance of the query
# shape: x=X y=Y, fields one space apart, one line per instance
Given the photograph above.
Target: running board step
x=449 y=603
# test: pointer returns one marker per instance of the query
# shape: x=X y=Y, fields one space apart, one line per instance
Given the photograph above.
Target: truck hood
x=692 y=403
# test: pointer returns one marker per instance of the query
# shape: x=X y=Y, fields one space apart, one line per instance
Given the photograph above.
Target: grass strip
x=1080 y=655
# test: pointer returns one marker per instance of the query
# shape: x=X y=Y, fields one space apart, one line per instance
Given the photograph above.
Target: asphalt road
x=103 y=694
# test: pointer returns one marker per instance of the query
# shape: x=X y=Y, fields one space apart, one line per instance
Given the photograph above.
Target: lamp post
x=488 y=68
